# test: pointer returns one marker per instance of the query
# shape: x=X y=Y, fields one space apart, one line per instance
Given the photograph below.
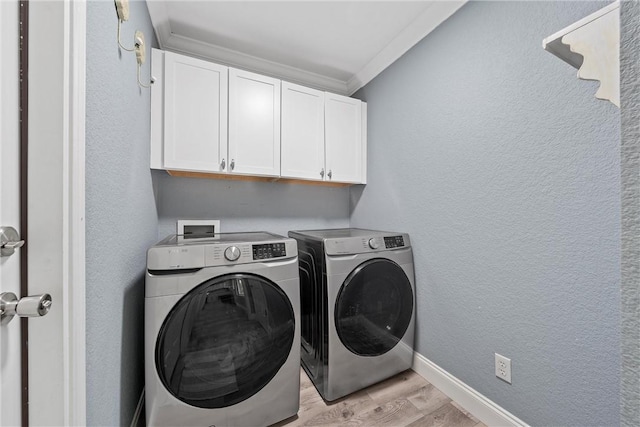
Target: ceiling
x=337 y=46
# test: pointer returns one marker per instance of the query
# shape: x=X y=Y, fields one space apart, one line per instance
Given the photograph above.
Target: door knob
x=33 y=306
x=9 y=241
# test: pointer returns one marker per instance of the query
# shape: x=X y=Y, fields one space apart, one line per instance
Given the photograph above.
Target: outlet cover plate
x=503 y=368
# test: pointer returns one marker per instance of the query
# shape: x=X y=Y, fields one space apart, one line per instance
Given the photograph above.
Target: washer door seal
x=225 y=340
x=374 y=307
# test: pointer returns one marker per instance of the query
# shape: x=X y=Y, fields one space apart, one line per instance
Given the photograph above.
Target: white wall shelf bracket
x=592 y=45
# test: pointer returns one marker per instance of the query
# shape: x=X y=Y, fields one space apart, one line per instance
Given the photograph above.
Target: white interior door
x=47 y=195
x=48 y=363
x=10 y=376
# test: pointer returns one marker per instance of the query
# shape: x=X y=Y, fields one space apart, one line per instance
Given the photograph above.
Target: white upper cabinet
x=344 y=148
x=254 y=124
x=214 y=119
x=302 y=144
x=195 y=114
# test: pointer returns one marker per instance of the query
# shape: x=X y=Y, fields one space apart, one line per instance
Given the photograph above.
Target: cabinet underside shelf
x=232 y=177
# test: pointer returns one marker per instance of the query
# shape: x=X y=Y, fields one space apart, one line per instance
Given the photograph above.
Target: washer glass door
x=225 y=340
x=374 y=307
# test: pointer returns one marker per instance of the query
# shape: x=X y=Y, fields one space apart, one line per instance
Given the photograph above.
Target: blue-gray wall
x=630 y=104
x=130 y=207
x=121 y=218
x=505 y=170
x=250 y=206
x=488 y=150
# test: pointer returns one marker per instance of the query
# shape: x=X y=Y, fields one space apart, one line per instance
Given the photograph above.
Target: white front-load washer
x=357 y=307
x=222 y=330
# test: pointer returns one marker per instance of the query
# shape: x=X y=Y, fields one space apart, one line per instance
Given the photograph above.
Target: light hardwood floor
x=406 y=399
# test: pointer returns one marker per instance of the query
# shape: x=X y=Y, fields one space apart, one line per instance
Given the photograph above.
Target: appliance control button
x=232 y=253
x=373 y=244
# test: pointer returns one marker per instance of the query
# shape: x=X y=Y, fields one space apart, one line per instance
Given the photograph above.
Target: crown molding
x=424 y=23
x=241 y=60
x=159 y=20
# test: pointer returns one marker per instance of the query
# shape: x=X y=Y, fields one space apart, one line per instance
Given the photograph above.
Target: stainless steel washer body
x=357 y=307
x=222 y=331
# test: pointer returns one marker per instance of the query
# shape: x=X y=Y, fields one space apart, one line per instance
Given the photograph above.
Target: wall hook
x=122 y=10
x=140 y=49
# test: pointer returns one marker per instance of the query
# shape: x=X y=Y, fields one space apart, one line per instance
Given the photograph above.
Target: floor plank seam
x=405 y=400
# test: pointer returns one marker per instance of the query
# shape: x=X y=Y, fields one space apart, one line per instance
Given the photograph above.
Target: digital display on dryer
x=269 y=250
x=393 y=242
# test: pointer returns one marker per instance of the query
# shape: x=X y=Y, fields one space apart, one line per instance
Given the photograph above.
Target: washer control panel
x=393 y=242
x=247 y=253
x=269 y=250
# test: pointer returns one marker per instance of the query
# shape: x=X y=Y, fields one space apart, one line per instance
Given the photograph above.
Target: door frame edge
x=73 y=173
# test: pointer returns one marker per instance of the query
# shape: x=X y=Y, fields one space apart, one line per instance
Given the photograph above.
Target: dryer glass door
x=374 y=307
x=225 y=340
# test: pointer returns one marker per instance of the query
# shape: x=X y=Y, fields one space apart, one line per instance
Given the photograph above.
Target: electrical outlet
x=503 y=368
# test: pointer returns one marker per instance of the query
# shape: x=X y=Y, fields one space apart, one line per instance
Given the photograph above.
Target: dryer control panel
x=366 y=244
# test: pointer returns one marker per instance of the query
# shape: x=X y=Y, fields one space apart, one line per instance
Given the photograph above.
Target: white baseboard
x=137 y=415
x=480 y=406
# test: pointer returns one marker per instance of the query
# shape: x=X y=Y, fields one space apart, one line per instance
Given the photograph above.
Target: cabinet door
x=195 y=114
x=302 y=145
x=343 y=138
x=254 y=123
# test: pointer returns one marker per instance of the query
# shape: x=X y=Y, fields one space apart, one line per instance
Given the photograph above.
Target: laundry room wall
x=250 y=206
x=121 y=218
x=630 y=107
x=505 y=171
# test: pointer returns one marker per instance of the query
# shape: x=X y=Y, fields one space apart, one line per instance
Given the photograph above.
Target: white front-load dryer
x=222 y=328
x=357 y=307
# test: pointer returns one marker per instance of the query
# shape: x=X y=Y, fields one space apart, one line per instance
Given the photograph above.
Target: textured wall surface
x=249 y=206
x=505 y=170
x=121 y=216
x=630 y=106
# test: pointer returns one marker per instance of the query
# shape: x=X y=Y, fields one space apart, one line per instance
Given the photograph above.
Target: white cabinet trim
x=157 y=109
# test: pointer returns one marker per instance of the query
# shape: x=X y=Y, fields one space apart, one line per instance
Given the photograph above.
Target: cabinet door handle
x=223 y=164
x=322 y=173
x=329 y=174
x=232 y=164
